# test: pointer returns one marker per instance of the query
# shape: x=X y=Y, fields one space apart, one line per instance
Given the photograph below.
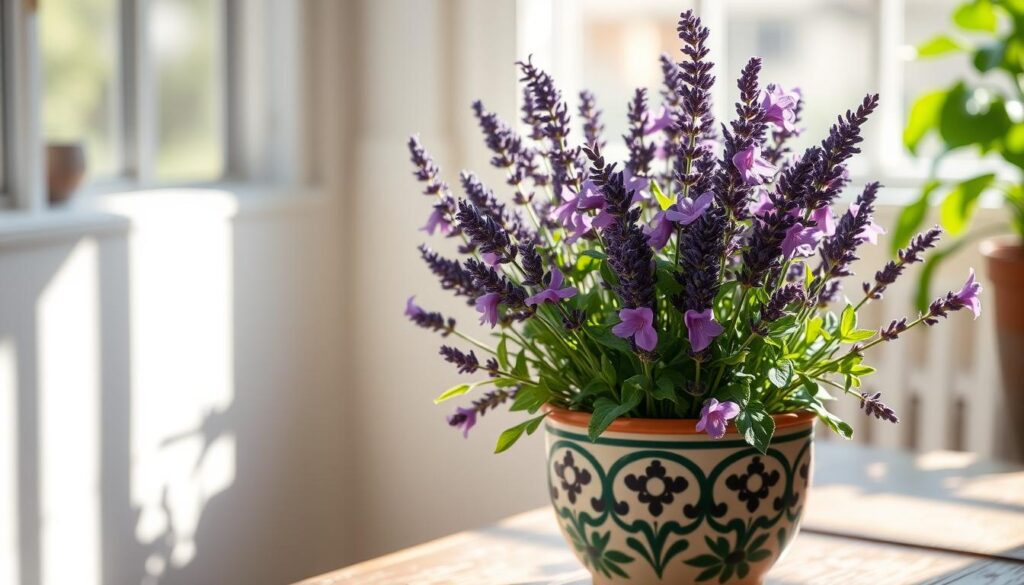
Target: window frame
x=888 y=162
x=259 y=100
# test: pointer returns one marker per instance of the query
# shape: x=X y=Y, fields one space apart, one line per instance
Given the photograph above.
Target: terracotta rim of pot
x=664 y=426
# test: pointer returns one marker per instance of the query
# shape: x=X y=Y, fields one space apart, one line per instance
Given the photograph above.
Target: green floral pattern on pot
x=641 y=508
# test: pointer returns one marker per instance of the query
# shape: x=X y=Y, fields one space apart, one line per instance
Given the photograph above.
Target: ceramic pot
x=1005 y=259
x=655 y=501
x=65 y=167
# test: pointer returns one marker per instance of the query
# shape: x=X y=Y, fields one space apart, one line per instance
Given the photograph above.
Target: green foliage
x=509 y=436
x=969 y=114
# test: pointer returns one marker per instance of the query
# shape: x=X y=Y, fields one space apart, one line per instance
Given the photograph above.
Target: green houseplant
x=984 y=114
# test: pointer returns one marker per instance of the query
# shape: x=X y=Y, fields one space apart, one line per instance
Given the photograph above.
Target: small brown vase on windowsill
x=65 y=167
x=1005 y=259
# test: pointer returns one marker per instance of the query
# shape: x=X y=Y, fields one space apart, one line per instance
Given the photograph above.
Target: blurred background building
x=205 y=374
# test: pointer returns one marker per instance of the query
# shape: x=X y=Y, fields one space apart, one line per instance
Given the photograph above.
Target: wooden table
x=875 y=517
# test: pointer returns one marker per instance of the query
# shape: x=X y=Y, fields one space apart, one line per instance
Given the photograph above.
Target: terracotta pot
x=65 y=167
x=1005 y=259
x=656 y=502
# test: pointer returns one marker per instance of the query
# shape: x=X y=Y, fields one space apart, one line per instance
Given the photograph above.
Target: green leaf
x=781 y=374
x=848 y=321
x=966 y=118
x=520 y=368
x=976 y=16
x=455 y=391
x=784 y=327
x=808 y=276
x=596 y=254
x=960 y=203
x=858 y=335
x=530 y=398
x=813 y=330
x=509 y=436
x=833 y=422
x=990 y=56
x=665 y=389
x=608 y=370
x=605 y=337
x=912 y=216
x=756 y=426
x=609 y=275
x=938 y=45
x=664 y=201
x=924 y=117
x=607 y=410
x=503 y=353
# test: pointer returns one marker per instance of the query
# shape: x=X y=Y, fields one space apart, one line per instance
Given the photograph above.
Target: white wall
x=175 y=401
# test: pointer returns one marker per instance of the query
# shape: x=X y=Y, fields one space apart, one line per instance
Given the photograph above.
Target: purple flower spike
x=658 y=122
x=715 y=417
x=488 y=306
x=464 y=418
x=689 y=210
x=800 y=241
x=660 y=231
x=824 y=221
x=753 y=168
x=554 y=292
x=437 y=222
x=871 y=231
x=638 y=324
x=780 y=107
x=701 y=329
x=968 y=295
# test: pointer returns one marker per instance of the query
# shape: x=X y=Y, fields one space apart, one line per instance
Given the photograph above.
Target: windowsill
x=107 y=211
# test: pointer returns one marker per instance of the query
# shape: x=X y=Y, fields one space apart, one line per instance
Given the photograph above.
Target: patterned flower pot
x=654 y=501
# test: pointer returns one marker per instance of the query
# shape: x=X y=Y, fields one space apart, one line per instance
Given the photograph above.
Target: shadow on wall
x=168 y=402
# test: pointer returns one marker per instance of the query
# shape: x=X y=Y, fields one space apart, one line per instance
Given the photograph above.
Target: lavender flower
x=591 y=115
x=637 y=324
x=640 y=154
x=485 y=233
x=800 y=241
x=694 y=163
x=431 y=320
x=873 y=406
x=912 y=254
x=894 y=329
x=701 y=329
x=426 y=171
x=871 y=231
x=752 y=167
x=467 y=363
x=657 y=122
x=451 y=274
x=827 y=161
x=487 y=306
x=688 y=210
x=780 y=106
x=660 y=230
x=465 y=418
x=629 y=254
x=438 y=220
x=762 y=254
x=554 y=293
x=551 y=116
x=967 y=297
x=839 y=251
x=702 y=246
x=533 y=270
x=715 y=417
x=742 y=165
x=509 y=151
x=825 y=222
x=775 y=308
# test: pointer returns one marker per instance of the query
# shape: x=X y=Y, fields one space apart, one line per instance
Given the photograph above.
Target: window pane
x=621 y=45
x=78 y=41
x=186 y=39
x=823 y=47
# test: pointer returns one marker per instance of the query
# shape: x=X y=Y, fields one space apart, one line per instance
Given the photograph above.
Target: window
x=155 y=92
x=178 y=92
x=835 y=50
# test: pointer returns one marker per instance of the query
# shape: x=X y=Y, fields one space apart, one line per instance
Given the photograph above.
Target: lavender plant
x=698 y=280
